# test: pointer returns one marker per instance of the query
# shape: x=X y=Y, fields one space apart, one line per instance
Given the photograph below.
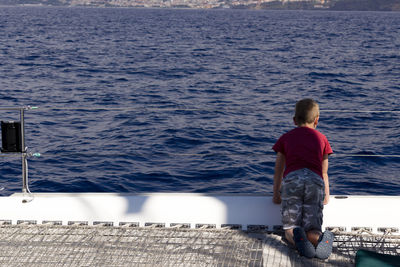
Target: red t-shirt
x=303 y=147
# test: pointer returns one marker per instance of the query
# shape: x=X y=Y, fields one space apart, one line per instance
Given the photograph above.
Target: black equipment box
x=11 y=136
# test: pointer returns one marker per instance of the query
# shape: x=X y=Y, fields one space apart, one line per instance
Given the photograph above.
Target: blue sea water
x=158 y=100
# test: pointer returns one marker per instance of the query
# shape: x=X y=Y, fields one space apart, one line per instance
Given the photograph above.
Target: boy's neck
x=308 y=125
x=311 y=125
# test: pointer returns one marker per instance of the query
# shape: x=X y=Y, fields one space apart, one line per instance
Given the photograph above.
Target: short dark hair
x=307 y=110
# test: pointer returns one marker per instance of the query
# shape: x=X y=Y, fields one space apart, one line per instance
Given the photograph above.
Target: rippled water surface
x=144 y=100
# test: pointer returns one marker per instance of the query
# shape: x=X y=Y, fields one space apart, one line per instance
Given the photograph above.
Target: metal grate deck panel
x=58 y=245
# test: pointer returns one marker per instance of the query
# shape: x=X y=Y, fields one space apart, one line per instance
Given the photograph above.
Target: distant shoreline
x=332 y=5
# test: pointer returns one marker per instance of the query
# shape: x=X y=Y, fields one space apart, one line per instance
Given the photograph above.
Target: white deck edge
x=191 y=209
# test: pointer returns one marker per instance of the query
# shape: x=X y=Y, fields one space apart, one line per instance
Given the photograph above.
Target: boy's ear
x=316 y=121
x=294 y=121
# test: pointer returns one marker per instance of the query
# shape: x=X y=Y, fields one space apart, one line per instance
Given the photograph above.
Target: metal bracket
x=24 y=154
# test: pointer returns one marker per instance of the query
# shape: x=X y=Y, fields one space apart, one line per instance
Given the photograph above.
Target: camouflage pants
x=302 y=193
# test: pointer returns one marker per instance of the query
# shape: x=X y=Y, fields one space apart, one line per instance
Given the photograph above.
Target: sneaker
x=303 y=245
x=324 y=247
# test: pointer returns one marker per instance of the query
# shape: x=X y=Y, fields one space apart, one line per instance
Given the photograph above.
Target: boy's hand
x=278 y=174
x=326 y=199
x=277 y=199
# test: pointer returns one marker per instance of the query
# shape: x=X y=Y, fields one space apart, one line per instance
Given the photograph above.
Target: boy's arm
x=279 y=168
x=326 y=178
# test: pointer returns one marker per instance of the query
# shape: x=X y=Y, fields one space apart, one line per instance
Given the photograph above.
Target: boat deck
x=81 y=245
x=96 y=229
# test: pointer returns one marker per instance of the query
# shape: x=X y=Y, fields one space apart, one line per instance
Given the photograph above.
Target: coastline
x=333 y=5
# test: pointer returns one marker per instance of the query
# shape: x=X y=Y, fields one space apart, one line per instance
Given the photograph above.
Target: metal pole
x=23 y=155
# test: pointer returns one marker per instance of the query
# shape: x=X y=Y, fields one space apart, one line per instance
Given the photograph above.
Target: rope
x=366 y=155
x=360 y=111
x=363 y=238
x=188 y=109
x=84 y=154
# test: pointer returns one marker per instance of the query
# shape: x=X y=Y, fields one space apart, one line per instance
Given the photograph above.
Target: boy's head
x=306 y=112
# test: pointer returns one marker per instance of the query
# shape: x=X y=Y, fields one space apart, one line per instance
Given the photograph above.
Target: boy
x=301 y=182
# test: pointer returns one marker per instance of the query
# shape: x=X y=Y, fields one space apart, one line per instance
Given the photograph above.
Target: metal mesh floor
x=40 y=245
x=116 y=246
